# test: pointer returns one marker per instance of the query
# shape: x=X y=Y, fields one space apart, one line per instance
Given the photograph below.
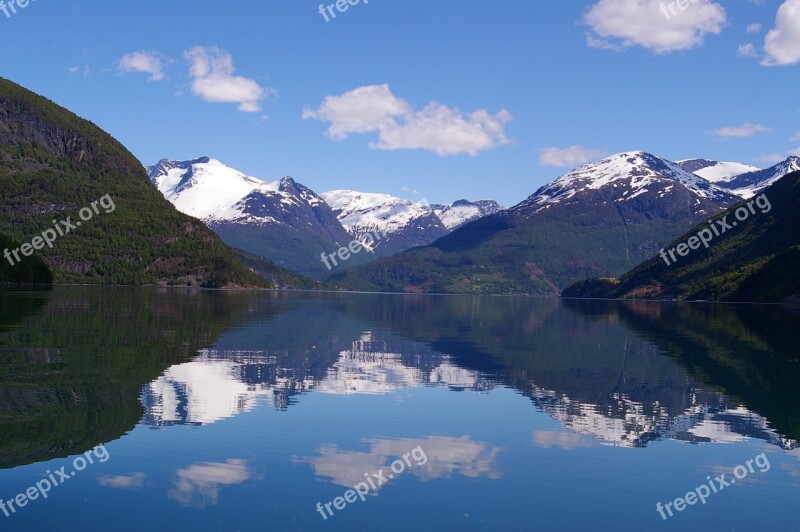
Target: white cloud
x=148 y=62
x=747 y=50
x=780 y=157
x=444 y=457
x=446 y=131
x=618 y=24
x=437 y=127
x=601 y=44
x=122 y=481
x=79 y=70
x=753 y=28
x=198 y=485
x=568 y=157
x=361 y=110
x=782 y=43
x=214 y=80
x=745 y=130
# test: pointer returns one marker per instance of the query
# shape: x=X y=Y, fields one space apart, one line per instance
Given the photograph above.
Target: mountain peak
x=715 y=171
x=201 y=187
x=788 y=165
x=749 y=184
x=163 y=166
x=633 y=154
x=625 y=176
x=464 y=211
x=289 y=186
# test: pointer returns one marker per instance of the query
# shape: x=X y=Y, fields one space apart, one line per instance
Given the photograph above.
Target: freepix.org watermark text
x=60 y=228
x=53 y=478
x=9 y=7
x=718 y=227
x=373 y=482
x=328 y=12
x=344 y=253
x=703 y=492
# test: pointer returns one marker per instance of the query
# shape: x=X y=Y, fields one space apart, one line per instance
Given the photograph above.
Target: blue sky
x=451 y=99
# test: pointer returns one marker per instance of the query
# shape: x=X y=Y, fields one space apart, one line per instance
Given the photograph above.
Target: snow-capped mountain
x=740 y=179
x=205 y=188
x=402 y=224
x=463 y=211
x=626 y=176
x=255 y=216
x=600 y=220
x=749 y=184
x=715 y=171
x=291 y=225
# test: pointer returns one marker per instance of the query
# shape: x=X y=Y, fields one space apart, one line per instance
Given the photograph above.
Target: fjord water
x=243 y=410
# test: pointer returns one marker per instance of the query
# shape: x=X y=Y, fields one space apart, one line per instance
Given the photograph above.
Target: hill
x=756 y=258
x=54 y=169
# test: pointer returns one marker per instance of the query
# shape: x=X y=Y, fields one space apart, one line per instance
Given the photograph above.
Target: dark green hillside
x=53 y=163
x=31 y=270
x=758 y=260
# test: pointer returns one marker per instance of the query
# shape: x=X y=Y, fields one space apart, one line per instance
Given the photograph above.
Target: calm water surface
x=243 y=411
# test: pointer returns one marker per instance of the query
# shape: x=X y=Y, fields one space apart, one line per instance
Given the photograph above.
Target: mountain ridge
x=261 y=217
x=715 y=171
x=600 y=218
x=750 y=184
